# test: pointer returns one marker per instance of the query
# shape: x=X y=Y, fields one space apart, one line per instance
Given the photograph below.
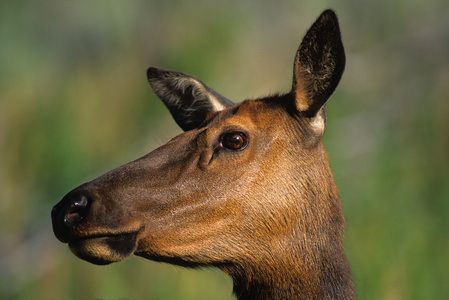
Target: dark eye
x=234 y=140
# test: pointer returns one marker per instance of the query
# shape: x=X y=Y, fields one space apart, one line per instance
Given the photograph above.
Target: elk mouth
x=104 y=249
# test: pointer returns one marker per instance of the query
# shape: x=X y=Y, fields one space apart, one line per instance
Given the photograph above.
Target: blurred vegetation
x=74 y=103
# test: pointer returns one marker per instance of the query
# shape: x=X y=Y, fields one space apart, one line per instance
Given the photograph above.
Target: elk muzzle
x=98 y=247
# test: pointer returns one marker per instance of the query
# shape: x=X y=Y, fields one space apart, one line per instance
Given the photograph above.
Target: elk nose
x=75 y=211
x=69 y=213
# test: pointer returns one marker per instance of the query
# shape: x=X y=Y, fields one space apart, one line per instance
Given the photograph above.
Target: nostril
x=76 y=211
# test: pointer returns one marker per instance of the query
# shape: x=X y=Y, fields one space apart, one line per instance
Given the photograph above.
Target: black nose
x=68 y=214
x=75 y=211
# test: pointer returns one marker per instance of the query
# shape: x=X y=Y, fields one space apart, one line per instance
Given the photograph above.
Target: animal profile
x=246 y=188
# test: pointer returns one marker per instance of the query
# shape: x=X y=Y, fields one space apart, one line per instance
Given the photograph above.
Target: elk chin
x=104 y=250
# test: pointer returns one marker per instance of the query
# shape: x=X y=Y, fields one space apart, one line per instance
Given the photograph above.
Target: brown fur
x=266 y=211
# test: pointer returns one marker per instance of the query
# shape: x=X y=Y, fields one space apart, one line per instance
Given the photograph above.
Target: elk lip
x=105 y=249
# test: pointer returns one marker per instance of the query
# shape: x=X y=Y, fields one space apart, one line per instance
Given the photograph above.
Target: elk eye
x=234 y=140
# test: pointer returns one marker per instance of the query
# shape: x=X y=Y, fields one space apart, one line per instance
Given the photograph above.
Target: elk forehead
x=254 y=114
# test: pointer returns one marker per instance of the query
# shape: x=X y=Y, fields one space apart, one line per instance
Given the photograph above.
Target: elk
x=246 y=188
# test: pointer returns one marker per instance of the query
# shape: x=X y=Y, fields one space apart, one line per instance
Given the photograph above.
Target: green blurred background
x=74 y=103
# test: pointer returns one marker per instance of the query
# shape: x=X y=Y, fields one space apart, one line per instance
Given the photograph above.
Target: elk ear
x=319 y=64
x=188 y=99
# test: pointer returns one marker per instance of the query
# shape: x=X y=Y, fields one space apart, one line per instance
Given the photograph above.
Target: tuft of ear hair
x=188 y=99
x=318 y=67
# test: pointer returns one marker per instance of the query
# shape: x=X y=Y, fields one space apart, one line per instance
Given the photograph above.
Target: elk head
x=246 y=188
